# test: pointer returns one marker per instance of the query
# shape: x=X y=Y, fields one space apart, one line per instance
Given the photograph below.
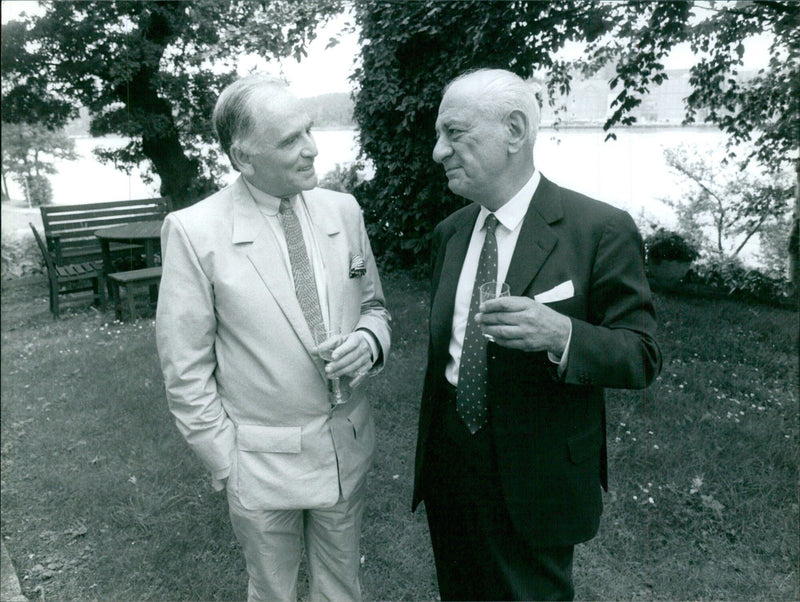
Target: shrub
x=21 y=257
x=344 y=178
x=733 y=278
x=409 y=51
x=666 y=245
x=37 y=188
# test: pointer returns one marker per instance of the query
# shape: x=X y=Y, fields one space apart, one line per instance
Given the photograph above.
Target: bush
x=666 y=245
x=344 y=178
x=38 y=189
x=21 y=257
x=409 y=51
x=733 y=278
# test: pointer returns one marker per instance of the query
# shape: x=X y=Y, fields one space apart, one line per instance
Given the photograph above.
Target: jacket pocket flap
x=275 y=439
x=584 y=446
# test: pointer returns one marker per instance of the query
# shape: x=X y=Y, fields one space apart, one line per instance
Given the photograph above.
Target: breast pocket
x=575 y=307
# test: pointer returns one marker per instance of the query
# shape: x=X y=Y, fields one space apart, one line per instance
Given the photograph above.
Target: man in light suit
x=247 y=273
x=511 y=452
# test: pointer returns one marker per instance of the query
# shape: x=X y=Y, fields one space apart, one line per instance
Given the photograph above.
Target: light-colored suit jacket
x=246 y=389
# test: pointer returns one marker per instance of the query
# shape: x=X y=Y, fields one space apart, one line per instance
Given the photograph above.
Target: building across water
x=589 y=102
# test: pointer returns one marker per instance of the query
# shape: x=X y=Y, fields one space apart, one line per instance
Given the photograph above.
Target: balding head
x=233 y=118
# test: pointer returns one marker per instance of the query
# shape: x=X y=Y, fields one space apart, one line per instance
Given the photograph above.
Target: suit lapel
x=449 y=273
x=536 y=238
x=249 y=226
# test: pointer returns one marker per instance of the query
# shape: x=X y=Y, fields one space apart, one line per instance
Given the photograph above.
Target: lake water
x=629 y=172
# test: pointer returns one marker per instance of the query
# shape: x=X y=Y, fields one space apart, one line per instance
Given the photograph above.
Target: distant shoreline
x=544 y=126
x=634 y=126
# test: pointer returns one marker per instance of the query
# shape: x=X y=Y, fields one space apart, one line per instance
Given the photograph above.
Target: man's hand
x=352 y=358
x=524 y=324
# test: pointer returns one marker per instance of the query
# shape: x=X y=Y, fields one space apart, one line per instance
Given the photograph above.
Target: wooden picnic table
x=145 y=233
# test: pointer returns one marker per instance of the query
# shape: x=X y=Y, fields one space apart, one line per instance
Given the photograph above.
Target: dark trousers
x=479 y=554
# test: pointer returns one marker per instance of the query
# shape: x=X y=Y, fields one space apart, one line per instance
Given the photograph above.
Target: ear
x=241 y=160
x=518 y=129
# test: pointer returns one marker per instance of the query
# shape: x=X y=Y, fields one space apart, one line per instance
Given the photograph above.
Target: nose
x=309 y=146
x=441 y=150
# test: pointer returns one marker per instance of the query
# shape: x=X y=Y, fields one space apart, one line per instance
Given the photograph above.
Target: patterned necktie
x=305 y=285
x=471 y=402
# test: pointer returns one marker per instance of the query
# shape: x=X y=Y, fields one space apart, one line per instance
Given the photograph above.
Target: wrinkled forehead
x=277 y=112
x=462 y=103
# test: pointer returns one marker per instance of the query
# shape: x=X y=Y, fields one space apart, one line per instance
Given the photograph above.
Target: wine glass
x=493 y=290
x=328 y=339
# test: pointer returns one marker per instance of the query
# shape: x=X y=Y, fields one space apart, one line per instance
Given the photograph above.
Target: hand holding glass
x=493 y=290
x=328 y=339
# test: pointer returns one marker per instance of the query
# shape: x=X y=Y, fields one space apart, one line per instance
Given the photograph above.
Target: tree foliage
x=149 y=71
x=730 y=202
x=410 y=50
x=763 y=110
x=28 y=154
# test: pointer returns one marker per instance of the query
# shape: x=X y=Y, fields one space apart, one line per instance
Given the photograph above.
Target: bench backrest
x=70 y=229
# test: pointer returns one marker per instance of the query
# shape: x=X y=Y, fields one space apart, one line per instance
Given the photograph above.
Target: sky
x=327 y=70
x=322 y=71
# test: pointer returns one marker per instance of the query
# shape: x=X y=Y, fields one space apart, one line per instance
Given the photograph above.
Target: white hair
x=502 y=92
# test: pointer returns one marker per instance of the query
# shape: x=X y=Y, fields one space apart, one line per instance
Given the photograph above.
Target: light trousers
x=273 y=540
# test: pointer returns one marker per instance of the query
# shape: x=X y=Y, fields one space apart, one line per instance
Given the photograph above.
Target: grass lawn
x=102 y=499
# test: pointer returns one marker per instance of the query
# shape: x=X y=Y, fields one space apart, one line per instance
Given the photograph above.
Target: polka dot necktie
x=471 y=402
x=305 y=285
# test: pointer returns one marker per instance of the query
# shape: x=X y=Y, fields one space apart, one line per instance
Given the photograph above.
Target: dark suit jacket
x=549 y=430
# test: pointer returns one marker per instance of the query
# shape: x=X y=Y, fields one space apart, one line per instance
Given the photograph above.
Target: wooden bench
x=69 y=229
x=129 y=280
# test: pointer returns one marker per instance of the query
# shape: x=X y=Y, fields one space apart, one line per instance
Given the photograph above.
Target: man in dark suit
x=511 y=452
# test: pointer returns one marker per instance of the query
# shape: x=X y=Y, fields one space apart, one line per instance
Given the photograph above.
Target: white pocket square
x=565 y=290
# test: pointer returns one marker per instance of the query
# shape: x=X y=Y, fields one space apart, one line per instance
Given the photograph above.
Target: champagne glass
x=328 y=339
x=493 y=290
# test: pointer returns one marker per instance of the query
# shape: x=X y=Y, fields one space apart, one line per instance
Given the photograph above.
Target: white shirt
x=509 y=217
x=269 y=206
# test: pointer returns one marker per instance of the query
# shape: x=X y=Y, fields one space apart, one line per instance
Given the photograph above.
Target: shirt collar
x=513 y=212
x=266 y=202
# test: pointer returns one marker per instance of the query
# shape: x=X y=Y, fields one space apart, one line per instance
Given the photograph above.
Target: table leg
x=150 y=252
x=150 y=261
x=108 y=268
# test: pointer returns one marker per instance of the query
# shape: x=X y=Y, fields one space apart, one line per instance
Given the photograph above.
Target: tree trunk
x=794 y=237
x=750 y=235
x=180 y=176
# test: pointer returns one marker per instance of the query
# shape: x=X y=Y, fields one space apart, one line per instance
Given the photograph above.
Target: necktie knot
x=490 y=223
x=286 y=205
